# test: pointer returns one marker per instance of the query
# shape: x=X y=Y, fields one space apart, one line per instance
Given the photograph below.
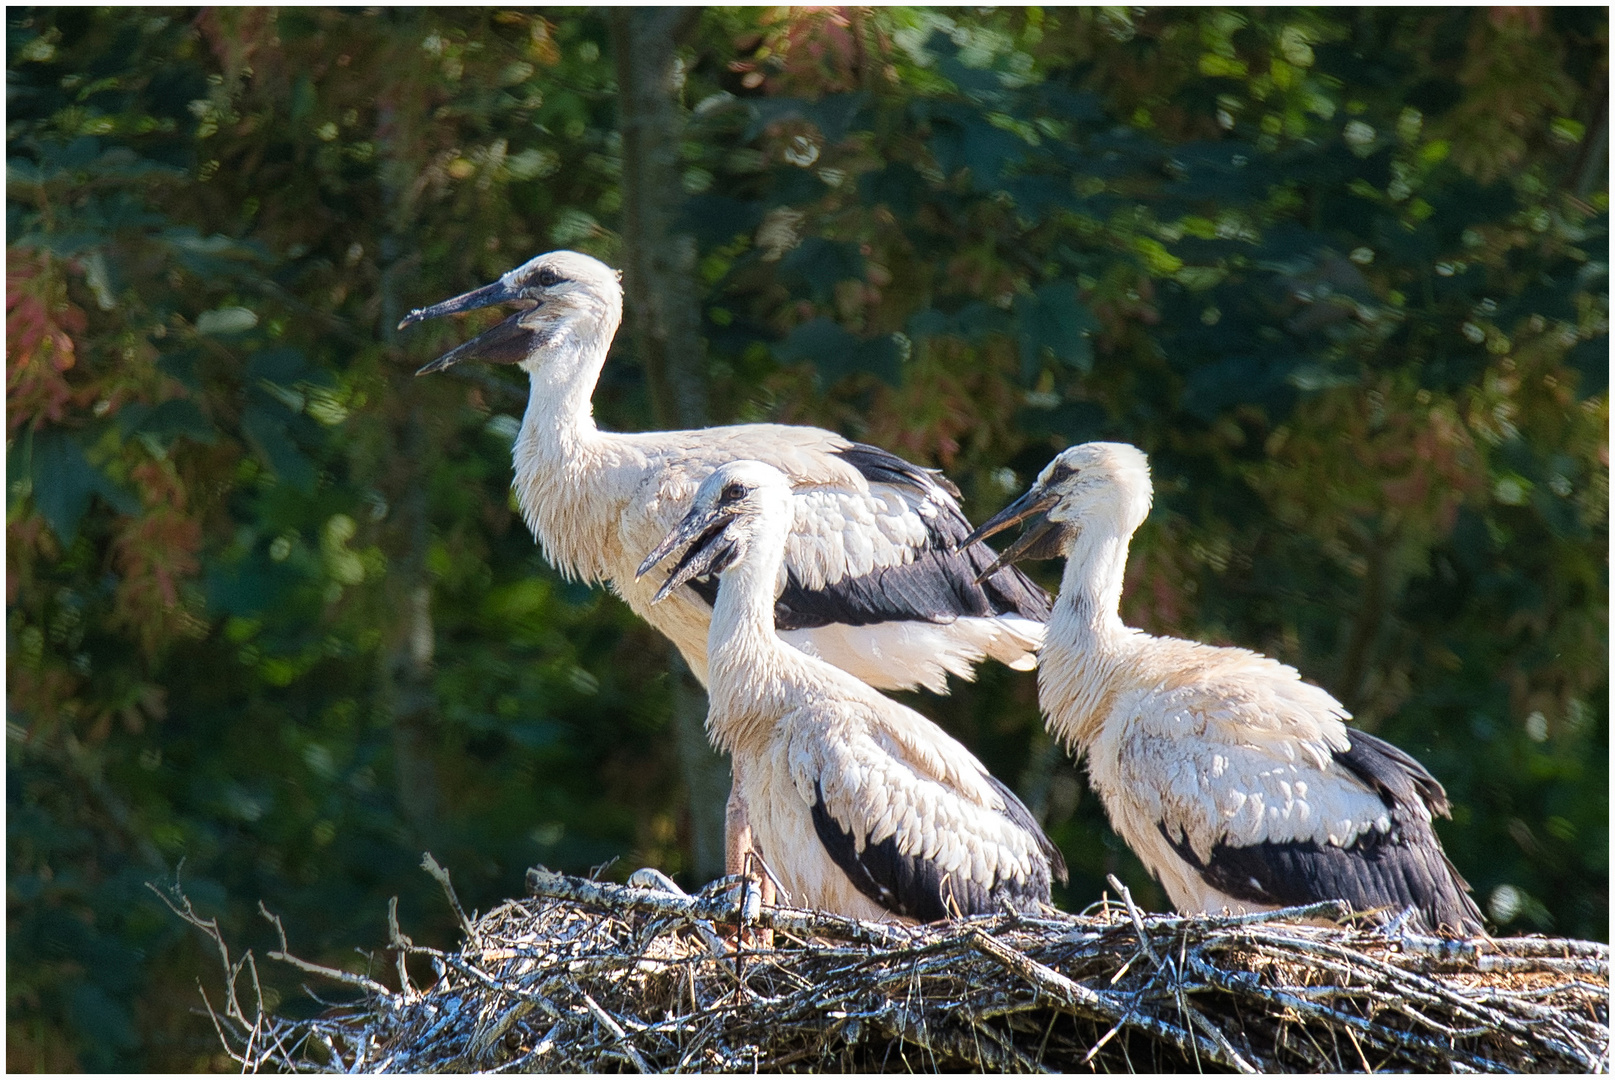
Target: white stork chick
x=858 y=805
x=874 y=579
x=1238 y=785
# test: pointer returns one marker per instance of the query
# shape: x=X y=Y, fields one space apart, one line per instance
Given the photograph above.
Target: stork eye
x=734 y=493
x=548 y=277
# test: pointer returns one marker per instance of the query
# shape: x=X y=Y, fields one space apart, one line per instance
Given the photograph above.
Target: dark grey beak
x=509 y=342
x=709 y=551
x=1039 y=541
x=487 y=296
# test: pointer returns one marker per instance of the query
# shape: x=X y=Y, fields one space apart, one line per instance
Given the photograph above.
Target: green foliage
x=1265 y=247
x=273 y=620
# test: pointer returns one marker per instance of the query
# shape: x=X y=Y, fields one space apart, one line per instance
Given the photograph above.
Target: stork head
x=734 y=506
x=557 y=291
x=1095 y=485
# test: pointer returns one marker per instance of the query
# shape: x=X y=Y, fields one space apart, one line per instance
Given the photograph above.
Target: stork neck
x=563 y=375
x=1089 y=605
x=559 y=454
x=1088 y=649
x=751 y=669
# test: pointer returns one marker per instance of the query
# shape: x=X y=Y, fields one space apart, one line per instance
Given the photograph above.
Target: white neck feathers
x=559 y=482
x=1088 y=647
x=755 y=677
x=563 y=373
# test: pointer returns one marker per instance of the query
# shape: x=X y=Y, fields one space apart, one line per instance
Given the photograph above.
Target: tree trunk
x=407 y=684
x=658 y=279
x=412 y=699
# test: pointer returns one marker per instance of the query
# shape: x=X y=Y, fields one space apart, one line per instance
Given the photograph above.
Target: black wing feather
x=940 y=583
x=884 y=467
x=1404 y=867
x=1395 y=775
x=917 y=887
x=910 y=593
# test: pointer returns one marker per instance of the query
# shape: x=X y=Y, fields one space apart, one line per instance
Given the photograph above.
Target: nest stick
x=590 y=975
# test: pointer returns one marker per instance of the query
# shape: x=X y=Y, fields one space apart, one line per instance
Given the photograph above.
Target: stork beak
x=1035 y=502
x=508 y=342
x=709 y=551
x=496 y=293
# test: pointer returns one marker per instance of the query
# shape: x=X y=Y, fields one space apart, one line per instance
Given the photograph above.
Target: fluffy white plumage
x=900 y=804
x=596 y=500
x=1238 y=784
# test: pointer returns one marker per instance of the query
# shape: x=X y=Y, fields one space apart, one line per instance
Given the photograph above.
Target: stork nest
x=588 y=976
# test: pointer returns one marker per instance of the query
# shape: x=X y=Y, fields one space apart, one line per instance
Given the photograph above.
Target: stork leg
x=737 y=843
x=758 y=877
x=739 y=857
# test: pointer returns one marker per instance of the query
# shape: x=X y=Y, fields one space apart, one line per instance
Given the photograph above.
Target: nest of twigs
x=587 y=977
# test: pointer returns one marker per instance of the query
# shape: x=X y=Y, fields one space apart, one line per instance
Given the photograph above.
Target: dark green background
x=1340 y=272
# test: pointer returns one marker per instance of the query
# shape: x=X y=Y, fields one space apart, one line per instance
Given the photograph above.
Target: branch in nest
x=593 y=976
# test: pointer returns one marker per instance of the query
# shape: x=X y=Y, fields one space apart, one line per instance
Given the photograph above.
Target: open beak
x=1034 y=505
x=709 y=550
x=487 y=296
x=508 y=342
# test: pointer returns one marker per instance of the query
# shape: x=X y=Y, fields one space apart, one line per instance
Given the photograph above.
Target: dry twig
x=591 y=976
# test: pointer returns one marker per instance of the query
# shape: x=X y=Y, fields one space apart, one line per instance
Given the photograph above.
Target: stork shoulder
x=878 y=753
x=806 y=455
x=1239 y=695
x=933 y=754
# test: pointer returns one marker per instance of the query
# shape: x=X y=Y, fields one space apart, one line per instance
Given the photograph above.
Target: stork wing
x=873 y=579
x=876 y=537
x=1401 y=867
x=889 y=549
x=915 y=844
x=1258 y=784
x=1243 y=750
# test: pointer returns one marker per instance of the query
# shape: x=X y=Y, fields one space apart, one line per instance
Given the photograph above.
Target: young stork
x=857 y=804
x=875 y=580
x=1239 y=785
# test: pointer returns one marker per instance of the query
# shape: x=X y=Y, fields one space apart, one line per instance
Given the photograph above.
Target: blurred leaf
x=269 y=436
x=286 y=366
x=836 y=354
x=1238 y=380
x=1591 y=358
x=897 y=185
x=717 y=219
x=962 y=139
x=167 y=421
x=1074 y=421
x=1053 y=318
x=226 y=320
x=816 y=265
x=832 y=114
x=63 y=481
x=250 y=587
